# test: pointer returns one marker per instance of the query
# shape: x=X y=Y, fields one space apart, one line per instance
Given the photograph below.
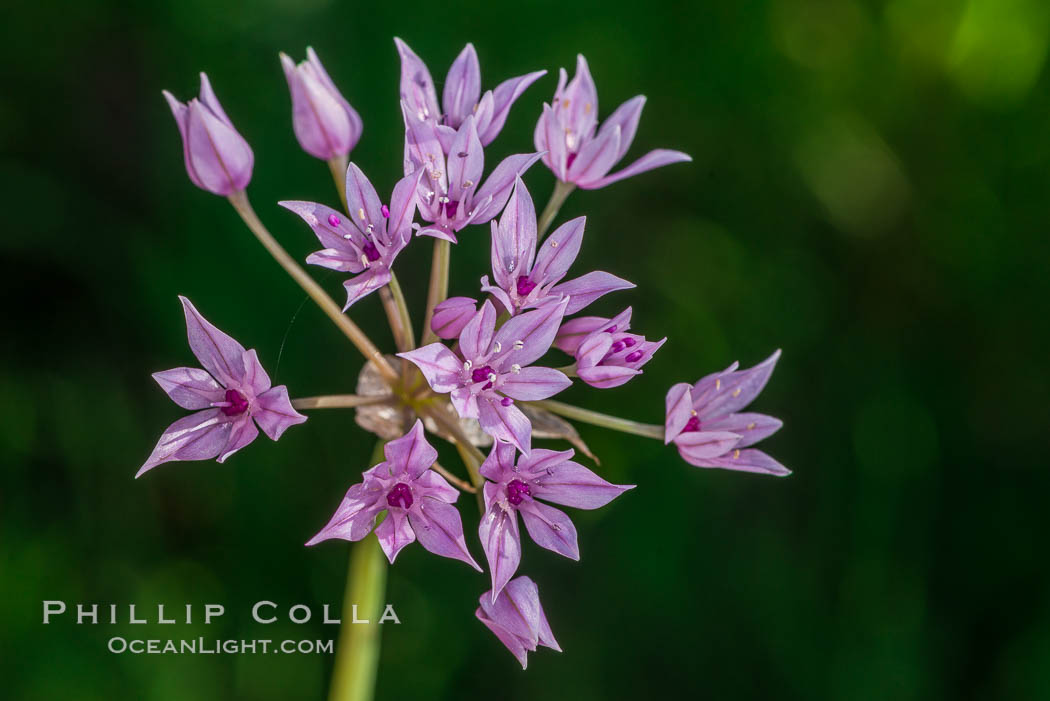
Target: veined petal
x=217 y=352
x=439 y=366
x=242 y=432
x=462 y=86
x=505 y=423
x=500 y=539
x=476 y=337
x=410 y=454
x=702 y=445
x=255 y=375
x=550 y=528
x=607 y=376
x=585 y=289
x=573 y=332
x=321 y=123
x=423 y=149
x=651 y=160
x=558 y=252
x=199 y=436
x=356 y=126
x=679 y=404
x=394 y=533
x=333 y=259
x=220 y=157
x=734 y=390
x=498 y=186
x=572 y=484
x=439 y=529
x=509 y=640
x=466 y=161
x=432 y=485
x=596 y=157
x=334 y=232
x=417 y=87
x=181 y=113
x=751 y=427
x=355 y=517
x=526 y=337
x=502 y=99
x=593 y=350
x=500 y=462
x=208 y=97
x=363 y=203
x=452 y=315
x=626 y=118
x=465 y=403
x=190 y=388
x=514 y=239
x=365 y=284
x=534 y=383
x=403 y=207
x=274 y=412
x=749 y=460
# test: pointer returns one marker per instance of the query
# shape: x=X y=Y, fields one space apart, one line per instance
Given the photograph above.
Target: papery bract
x=367 y=241
x=524 y=278
x=218 y=159
x=493 y=369
x=461 y=96
x=232 y=395
x=516 y=617
x=704 y=423
x=545 y=475
x=575 y=153
x=324 y=122
x=418 y=502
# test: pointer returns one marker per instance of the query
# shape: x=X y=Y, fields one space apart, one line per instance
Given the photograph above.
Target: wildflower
x=417 y=501
x=546 y=475
x=452 y=315
x=232 y=395
x=324 y=122
x=367 y=241
x=703 y=422
x=218 y=159
x=524 y=278
x=450 y=197
x=461 y=96
x=517 y=619
x=493 y=369
x=606 y=355
x=573 y=151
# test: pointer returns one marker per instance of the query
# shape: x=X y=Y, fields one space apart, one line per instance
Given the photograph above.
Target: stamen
x=497 y=347
x=515 y=368
x=517 y=491
x=385 y=211
x=635 y=356
x=518 y=345
x=333 y=220
x=361 y=213
x=506 y=401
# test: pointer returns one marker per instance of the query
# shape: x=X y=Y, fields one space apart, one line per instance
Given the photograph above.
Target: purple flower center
x=481 y=374
x=525 y=285
x=400 y=495
x=450 y=208
x=237 y=404
x=371 y=252
x=516 y=491
x=692 y=425
x=569 y=160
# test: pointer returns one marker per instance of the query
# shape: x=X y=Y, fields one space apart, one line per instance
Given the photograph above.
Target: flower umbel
x=232 y=395
x=417 y=501
x=218 y=159
x=516 y=617
x=573 y=151
x=703 y=422
x=511 y=489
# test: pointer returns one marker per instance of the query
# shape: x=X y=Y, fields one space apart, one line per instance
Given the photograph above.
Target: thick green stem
x=558 y=197
x=402 y=311
x=438 y=290
x=240 y=202
x=604 y=420
x=338 y=166
x=357 y=652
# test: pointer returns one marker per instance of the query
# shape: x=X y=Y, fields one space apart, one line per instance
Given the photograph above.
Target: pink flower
x=606 y=355
x=517 y=619
x=232 y=393
x=324 y=122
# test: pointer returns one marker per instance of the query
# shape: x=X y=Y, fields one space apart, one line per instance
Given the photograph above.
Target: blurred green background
x=868 y=193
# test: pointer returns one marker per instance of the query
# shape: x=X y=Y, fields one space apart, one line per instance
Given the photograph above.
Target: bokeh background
x=869 y=193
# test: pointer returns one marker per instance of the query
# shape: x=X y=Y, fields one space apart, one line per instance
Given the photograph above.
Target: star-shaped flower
x=546 y=475
x=703 y=422
x=606 y=355
x=232 y=395
x=417 y=501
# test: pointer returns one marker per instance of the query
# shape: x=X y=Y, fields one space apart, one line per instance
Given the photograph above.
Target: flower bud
x=325 y=124
x=218 y=159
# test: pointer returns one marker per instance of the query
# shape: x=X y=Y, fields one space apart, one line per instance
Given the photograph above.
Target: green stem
x=340 y=401
x=357 y=652
x=558 y=196
x=438 y=290
x=604 y=420
x=240 y=202
x=338 y=166
x=402 y=311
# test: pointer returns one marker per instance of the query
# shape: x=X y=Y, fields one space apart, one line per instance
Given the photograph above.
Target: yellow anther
x=361 y=212
x=736 y=392
x=736 y=454
x=750 y=426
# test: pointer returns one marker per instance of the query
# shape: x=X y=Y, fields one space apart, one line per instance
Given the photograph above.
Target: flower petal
x=514 y=239
x=242 y=432
x=439 y=529
x=607 y=376
x=500 y=540
x=199 y=436
x=550 y=528
x=500 y=462
x=394 y=533
x=452 y=315
x=274 y=412
x=751 y=427
x=476 y=337
x=653 y=159
x=534 y=383
x=462 y=87
x=217 y=352
x=365 y=284
x=356 y=515
x=679 y=404
x=749 y=460
x=571 y=484
x=190 y=388
x=502 y=98
x=465 y=161
x=417 y=87
x=587 y=288
x=338 y=236
x=558 y=252
x=499 y=184
x=701 y=445
x=439 y=366
x=625 y=117
x=732 y=391
x=526 y=337
x=505 y=423
x=410 y=454
x=596 y=157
